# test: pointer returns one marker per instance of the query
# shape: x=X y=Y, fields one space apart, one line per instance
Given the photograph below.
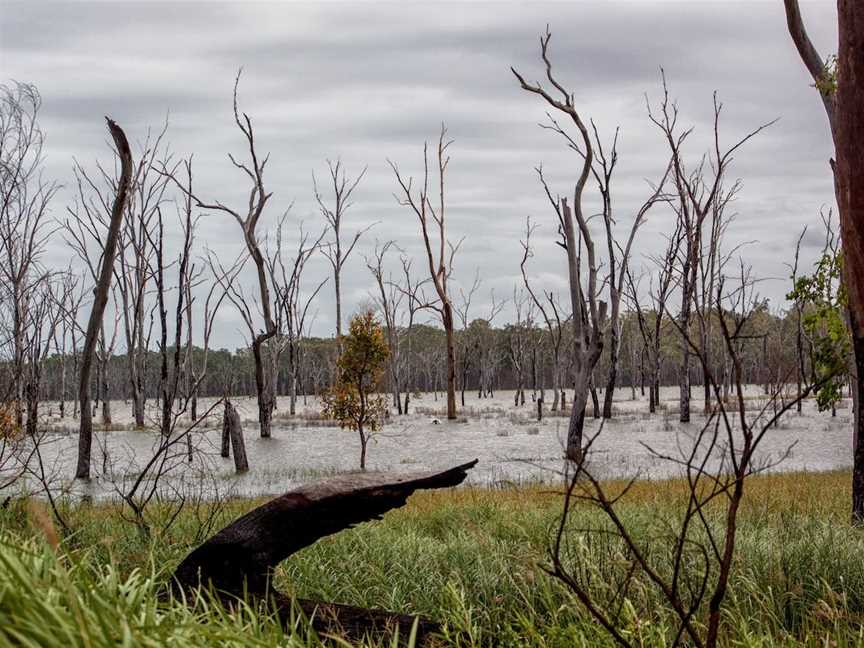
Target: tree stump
x=225 y=451
x=235 y=434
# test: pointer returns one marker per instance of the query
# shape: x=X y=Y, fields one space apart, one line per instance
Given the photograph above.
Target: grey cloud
x=369 y=82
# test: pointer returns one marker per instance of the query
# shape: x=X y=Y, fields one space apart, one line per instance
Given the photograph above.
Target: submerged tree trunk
x=263 y=389
x=100 y=300
x=235 y=433
x=451 y=361
x=611 y=379
x=225 y=450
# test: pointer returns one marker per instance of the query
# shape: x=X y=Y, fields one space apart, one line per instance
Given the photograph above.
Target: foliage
x=9 y=429
x=824 y=299
x=353 y=399
x=468 y=557
x=827 y=86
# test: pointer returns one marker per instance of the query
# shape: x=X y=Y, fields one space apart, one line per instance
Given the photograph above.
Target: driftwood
x=239 y=559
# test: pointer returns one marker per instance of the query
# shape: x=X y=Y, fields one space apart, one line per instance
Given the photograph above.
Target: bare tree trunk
x=844 y=106
x=85 y=435
x=106 y=397
x=225 y=450
x=451 y=361
x=263 y=390
x=238 y=445
x=614 y=343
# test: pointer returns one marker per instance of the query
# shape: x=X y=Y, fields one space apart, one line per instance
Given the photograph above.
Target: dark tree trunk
x=239 y=560
x=225 y=450
x=235 y=433
x=849 y=186
x=100 y=300
x=451 y=361
x=613 y=373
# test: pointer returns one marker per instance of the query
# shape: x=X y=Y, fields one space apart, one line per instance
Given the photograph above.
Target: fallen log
x=239 y=560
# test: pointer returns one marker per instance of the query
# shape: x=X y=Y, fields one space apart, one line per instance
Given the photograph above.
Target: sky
x=368 y=82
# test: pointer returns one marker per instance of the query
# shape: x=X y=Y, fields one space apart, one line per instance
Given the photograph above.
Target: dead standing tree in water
x=248 y=222
x=389 y=301
x=689 y=562
x=343 y=187
x=651 y=328
x=698 y=193
x=100 y=299
x=589 y=313
x=132 y=271
x=86 y=232
x=617 y=267
x=24 y=226
x=412 y=289
x=291 y=306
x=440 y=261
x=554 y=322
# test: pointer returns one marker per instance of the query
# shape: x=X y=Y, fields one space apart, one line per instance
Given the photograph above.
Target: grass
x=471 y=558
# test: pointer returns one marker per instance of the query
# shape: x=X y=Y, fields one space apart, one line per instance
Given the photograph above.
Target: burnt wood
x=239 y=560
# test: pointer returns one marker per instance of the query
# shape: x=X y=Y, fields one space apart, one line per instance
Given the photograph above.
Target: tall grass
x=471 y=558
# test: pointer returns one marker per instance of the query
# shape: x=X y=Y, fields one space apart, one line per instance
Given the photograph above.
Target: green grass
x=469 y=557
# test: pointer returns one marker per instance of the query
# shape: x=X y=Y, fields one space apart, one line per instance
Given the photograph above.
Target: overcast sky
x=370 y=81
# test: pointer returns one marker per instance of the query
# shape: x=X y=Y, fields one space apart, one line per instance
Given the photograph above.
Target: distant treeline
x=484 y=361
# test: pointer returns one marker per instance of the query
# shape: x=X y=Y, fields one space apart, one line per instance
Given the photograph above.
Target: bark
x=235 y=433
x=225 y=450
x=85 y=436
x=451 y=360
x=239 y=560
x=614 y=342
x=845 y=110
x=849 y=182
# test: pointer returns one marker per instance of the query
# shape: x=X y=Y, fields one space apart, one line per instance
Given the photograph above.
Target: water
x=511 y=447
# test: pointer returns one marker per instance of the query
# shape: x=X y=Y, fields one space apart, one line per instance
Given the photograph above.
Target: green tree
x=355 y=399
x=823 y=300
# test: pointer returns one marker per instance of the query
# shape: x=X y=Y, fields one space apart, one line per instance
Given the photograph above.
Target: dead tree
x=248 y=220
x=489 y=355
x=195 y=369
x=100 y=299
x=342 y=187
x=439 y=254
x=412 y=289
x=135 y=255
x=651 y=323
x=589 y=313
x=698 y=556
x=799 y=324
x=517 y=334
x=551 y=312
x=389 y=301
x=86 y=232
x=291 y=306
x=239 y=560
x=466 y=342
x=710 y=269
x=617 y=267
x=174 y=446
x=698 y=190
x=40 y=327
x=232 y=436
x=842 y=96
x=24 y=224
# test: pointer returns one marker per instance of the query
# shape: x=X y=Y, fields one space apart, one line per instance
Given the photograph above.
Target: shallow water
x=511 y=447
